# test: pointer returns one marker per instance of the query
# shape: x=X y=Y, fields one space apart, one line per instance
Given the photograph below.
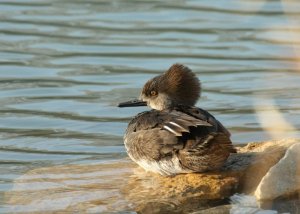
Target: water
x=64 y=66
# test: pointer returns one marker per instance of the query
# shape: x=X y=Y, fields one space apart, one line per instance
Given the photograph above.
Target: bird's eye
x=153 y=93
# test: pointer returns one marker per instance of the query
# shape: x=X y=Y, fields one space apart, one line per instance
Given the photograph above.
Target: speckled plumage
x=176 y=137
x=203 y=144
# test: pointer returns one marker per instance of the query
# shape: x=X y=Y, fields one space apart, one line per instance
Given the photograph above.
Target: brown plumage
x=175 y=137
x=178 y=82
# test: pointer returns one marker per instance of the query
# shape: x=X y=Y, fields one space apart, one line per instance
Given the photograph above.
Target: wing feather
x=179 y=123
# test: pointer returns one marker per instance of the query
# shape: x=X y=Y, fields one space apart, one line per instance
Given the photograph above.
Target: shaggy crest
x=179 y=83
x=182 y=84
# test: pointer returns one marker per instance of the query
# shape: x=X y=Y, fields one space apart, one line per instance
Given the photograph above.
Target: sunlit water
x=64 y=66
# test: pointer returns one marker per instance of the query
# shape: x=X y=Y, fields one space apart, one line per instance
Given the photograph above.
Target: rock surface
x=254 y=160
x=123 y=186
x=185 y=192
x=283 y=178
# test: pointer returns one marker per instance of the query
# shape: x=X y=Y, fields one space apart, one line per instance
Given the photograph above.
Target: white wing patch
x=179 y=126
x=172 y=130
x=180 y=123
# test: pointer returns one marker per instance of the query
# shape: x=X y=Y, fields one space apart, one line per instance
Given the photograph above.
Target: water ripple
x=65 y=65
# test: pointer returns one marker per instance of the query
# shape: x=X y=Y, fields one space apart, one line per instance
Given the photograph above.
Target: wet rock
x=253 y=161
x=283 y=178
x=185 y=192
x=242 y=173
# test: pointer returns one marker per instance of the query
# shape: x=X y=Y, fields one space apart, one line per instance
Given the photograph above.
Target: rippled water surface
x=64 y=66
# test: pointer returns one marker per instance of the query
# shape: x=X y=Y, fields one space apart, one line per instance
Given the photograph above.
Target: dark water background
x=64 y=65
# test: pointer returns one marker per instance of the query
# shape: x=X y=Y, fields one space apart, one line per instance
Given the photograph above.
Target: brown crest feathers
x=182 y=84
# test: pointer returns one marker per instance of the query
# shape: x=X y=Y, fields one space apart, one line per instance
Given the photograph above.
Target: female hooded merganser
x=175 y=136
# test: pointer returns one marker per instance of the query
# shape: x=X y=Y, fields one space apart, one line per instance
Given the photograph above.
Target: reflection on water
x=111 y=187
x=84 y=188
x=65 y=65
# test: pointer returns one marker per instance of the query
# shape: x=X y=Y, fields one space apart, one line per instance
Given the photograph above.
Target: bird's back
x=182 y=140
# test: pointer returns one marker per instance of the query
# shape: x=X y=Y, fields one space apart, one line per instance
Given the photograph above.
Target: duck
x=175 y=136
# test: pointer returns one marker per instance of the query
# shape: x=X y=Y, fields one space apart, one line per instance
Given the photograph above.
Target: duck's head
x=177 y=86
